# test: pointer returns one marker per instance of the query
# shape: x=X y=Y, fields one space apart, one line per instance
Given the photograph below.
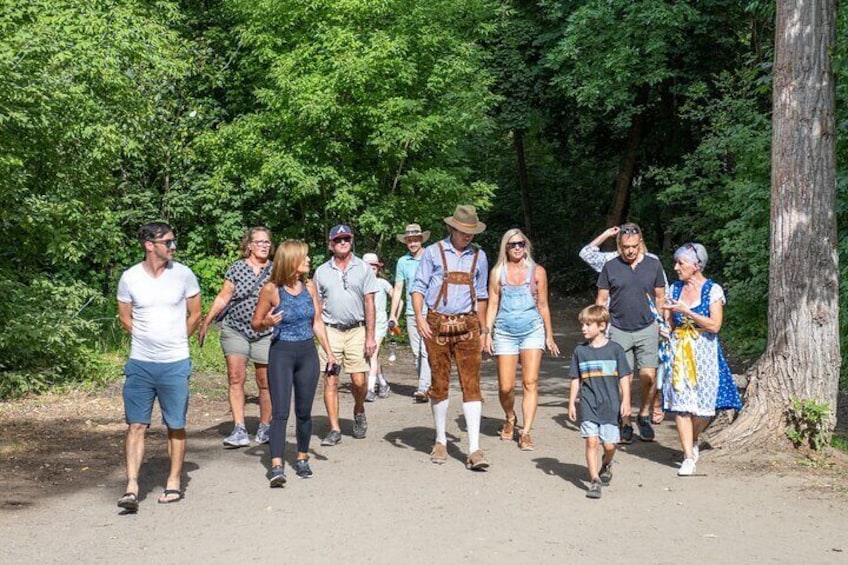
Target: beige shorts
x=348 y=347
x=234 y=343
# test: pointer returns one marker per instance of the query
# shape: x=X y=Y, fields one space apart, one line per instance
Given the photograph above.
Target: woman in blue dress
x=701 y=381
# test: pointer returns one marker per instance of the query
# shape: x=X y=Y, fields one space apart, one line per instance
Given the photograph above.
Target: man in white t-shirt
x=159 y=306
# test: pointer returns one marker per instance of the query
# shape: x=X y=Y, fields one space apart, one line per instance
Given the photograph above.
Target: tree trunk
x=802 y=357
x=624 y=177
x=523 y=183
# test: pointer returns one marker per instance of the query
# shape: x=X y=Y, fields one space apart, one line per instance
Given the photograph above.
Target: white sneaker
x=687 y=468
x=695 y=453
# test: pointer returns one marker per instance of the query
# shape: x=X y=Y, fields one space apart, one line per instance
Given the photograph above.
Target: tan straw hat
x=465 y=219
x=413 y=230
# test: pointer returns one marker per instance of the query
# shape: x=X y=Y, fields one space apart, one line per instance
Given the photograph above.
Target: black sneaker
x=594 y=490
x=646 y=431
x=301 y=468
x=360 y=425
x=626 y=434
x=606 y=474
x=276 y=478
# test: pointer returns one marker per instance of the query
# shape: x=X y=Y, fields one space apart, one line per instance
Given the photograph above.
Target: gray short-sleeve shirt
x=629 y=289
x=342 y=293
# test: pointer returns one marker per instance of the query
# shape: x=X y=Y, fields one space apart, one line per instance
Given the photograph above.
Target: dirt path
x=379 y=500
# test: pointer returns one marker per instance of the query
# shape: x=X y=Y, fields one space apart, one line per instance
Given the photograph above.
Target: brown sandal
x=508 y=430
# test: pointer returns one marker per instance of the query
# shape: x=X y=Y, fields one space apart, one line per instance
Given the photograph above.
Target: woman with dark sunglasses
x=519 y=322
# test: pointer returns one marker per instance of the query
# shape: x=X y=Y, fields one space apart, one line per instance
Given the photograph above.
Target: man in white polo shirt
x=159 y=306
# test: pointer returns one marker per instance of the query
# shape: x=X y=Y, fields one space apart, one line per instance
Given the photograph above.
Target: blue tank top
x=298 y=314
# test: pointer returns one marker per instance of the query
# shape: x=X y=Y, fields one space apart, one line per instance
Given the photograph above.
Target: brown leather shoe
x=477 y=461
x=439 y=455
x=525 y=442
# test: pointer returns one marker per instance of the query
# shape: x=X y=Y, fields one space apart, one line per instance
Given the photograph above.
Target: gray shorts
x=234 y=343
x=641 y=345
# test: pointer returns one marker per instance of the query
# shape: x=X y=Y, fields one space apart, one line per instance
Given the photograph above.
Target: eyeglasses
x=344 y=279
x=516 y=244
x=342 y=240
x=168 y=243
x=629 y=230
x=262 y=243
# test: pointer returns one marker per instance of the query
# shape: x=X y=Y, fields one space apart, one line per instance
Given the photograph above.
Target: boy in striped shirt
x=598 y=372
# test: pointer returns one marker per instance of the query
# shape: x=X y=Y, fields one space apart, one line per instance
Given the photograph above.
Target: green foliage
x=809 y=423
x=43 y=340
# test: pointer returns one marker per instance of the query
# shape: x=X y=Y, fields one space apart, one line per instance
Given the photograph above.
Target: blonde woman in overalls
x=519 y=321
x=452 y=282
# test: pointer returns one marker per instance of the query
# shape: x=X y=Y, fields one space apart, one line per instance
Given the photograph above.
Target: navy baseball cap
x=340 y=230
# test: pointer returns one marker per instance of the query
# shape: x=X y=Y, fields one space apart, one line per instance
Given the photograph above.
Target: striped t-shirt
x=597 y=371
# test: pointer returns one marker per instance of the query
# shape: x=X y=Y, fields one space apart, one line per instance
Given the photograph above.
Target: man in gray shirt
x=627 y=282
x=346 y=287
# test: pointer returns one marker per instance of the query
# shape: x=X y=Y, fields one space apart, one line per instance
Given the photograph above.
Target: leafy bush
x=43 y=338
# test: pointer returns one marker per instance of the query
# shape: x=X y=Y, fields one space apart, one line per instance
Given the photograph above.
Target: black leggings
x=292 y=364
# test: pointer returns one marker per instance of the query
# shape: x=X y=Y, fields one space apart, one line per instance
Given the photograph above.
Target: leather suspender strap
x=443 y=293
x=471 y=280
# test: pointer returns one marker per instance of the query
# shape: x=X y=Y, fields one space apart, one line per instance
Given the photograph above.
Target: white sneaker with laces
x=687 y=468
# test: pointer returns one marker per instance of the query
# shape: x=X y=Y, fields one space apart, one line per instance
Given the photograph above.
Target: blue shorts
x=508 y=344
x=147 y=381
x=608 y=432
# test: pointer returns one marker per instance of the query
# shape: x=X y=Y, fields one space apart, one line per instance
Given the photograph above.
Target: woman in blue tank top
x=518 y=321
x=289 y=304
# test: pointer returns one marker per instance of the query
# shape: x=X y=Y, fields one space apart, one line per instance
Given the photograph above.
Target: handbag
x=232 y=302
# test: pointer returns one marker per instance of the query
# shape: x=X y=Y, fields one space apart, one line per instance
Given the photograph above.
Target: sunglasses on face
x=516 y=244
x=629 y=230
x=342 y=240
x=168 y=243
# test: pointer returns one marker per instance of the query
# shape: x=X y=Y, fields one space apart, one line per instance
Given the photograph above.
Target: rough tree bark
x=627 y=165
x=523 y=180
x=802 y=358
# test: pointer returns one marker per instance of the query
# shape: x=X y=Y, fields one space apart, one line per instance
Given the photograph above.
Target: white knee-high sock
x=381 y=379
x=372 y=380
x=473 y=413
x=440 y=419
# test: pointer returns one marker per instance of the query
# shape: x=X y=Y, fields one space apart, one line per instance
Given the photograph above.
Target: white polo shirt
x=158 y=311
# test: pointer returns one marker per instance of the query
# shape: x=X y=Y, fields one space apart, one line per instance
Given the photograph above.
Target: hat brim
x=425 y=235
x=480 y=227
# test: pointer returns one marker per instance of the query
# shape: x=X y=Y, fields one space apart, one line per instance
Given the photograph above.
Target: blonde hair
x=502 y=256
x=290 y=254
x=244 y=245
x=594 y=314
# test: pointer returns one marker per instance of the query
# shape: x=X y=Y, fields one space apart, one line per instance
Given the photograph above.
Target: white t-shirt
x=158 y=311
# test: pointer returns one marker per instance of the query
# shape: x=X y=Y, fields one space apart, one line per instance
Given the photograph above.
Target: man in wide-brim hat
x=449 y=298
x=407 y=267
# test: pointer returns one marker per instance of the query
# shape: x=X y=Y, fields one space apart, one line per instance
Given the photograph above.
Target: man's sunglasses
x=343 y=240
x=168 y=243
x=516 y=244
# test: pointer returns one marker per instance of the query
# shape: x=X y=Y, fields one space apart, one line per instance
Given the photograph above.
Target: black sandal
x=129 y=502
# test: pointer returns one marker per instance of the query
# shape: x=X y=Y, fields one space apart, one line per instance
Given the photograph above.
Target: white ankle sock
x=371 y=380
x=473 y=413
x=440 y=419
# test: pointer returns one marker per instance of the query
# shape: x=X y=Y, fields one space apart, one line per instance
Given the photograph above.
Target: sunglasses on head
x=692 y=248
x=168 y=243
x=516 y=244
x=629 y=230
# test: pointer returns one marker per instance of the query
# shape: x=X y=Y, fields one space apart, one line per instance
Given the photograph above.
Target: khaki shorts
x=348 y=347
x=234 y=343
x=641 y=345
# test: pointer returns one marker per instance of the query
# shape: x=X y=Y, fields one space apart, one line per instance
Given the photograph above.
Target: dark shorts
x=147 y=381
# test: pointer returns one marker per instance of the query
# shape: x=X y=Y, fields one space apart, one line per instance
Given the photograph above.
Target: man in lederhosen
x=452 y=281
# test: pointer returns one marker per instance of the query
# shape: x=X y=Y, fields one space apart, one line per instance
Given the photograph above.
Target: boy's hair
x=594 y=314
